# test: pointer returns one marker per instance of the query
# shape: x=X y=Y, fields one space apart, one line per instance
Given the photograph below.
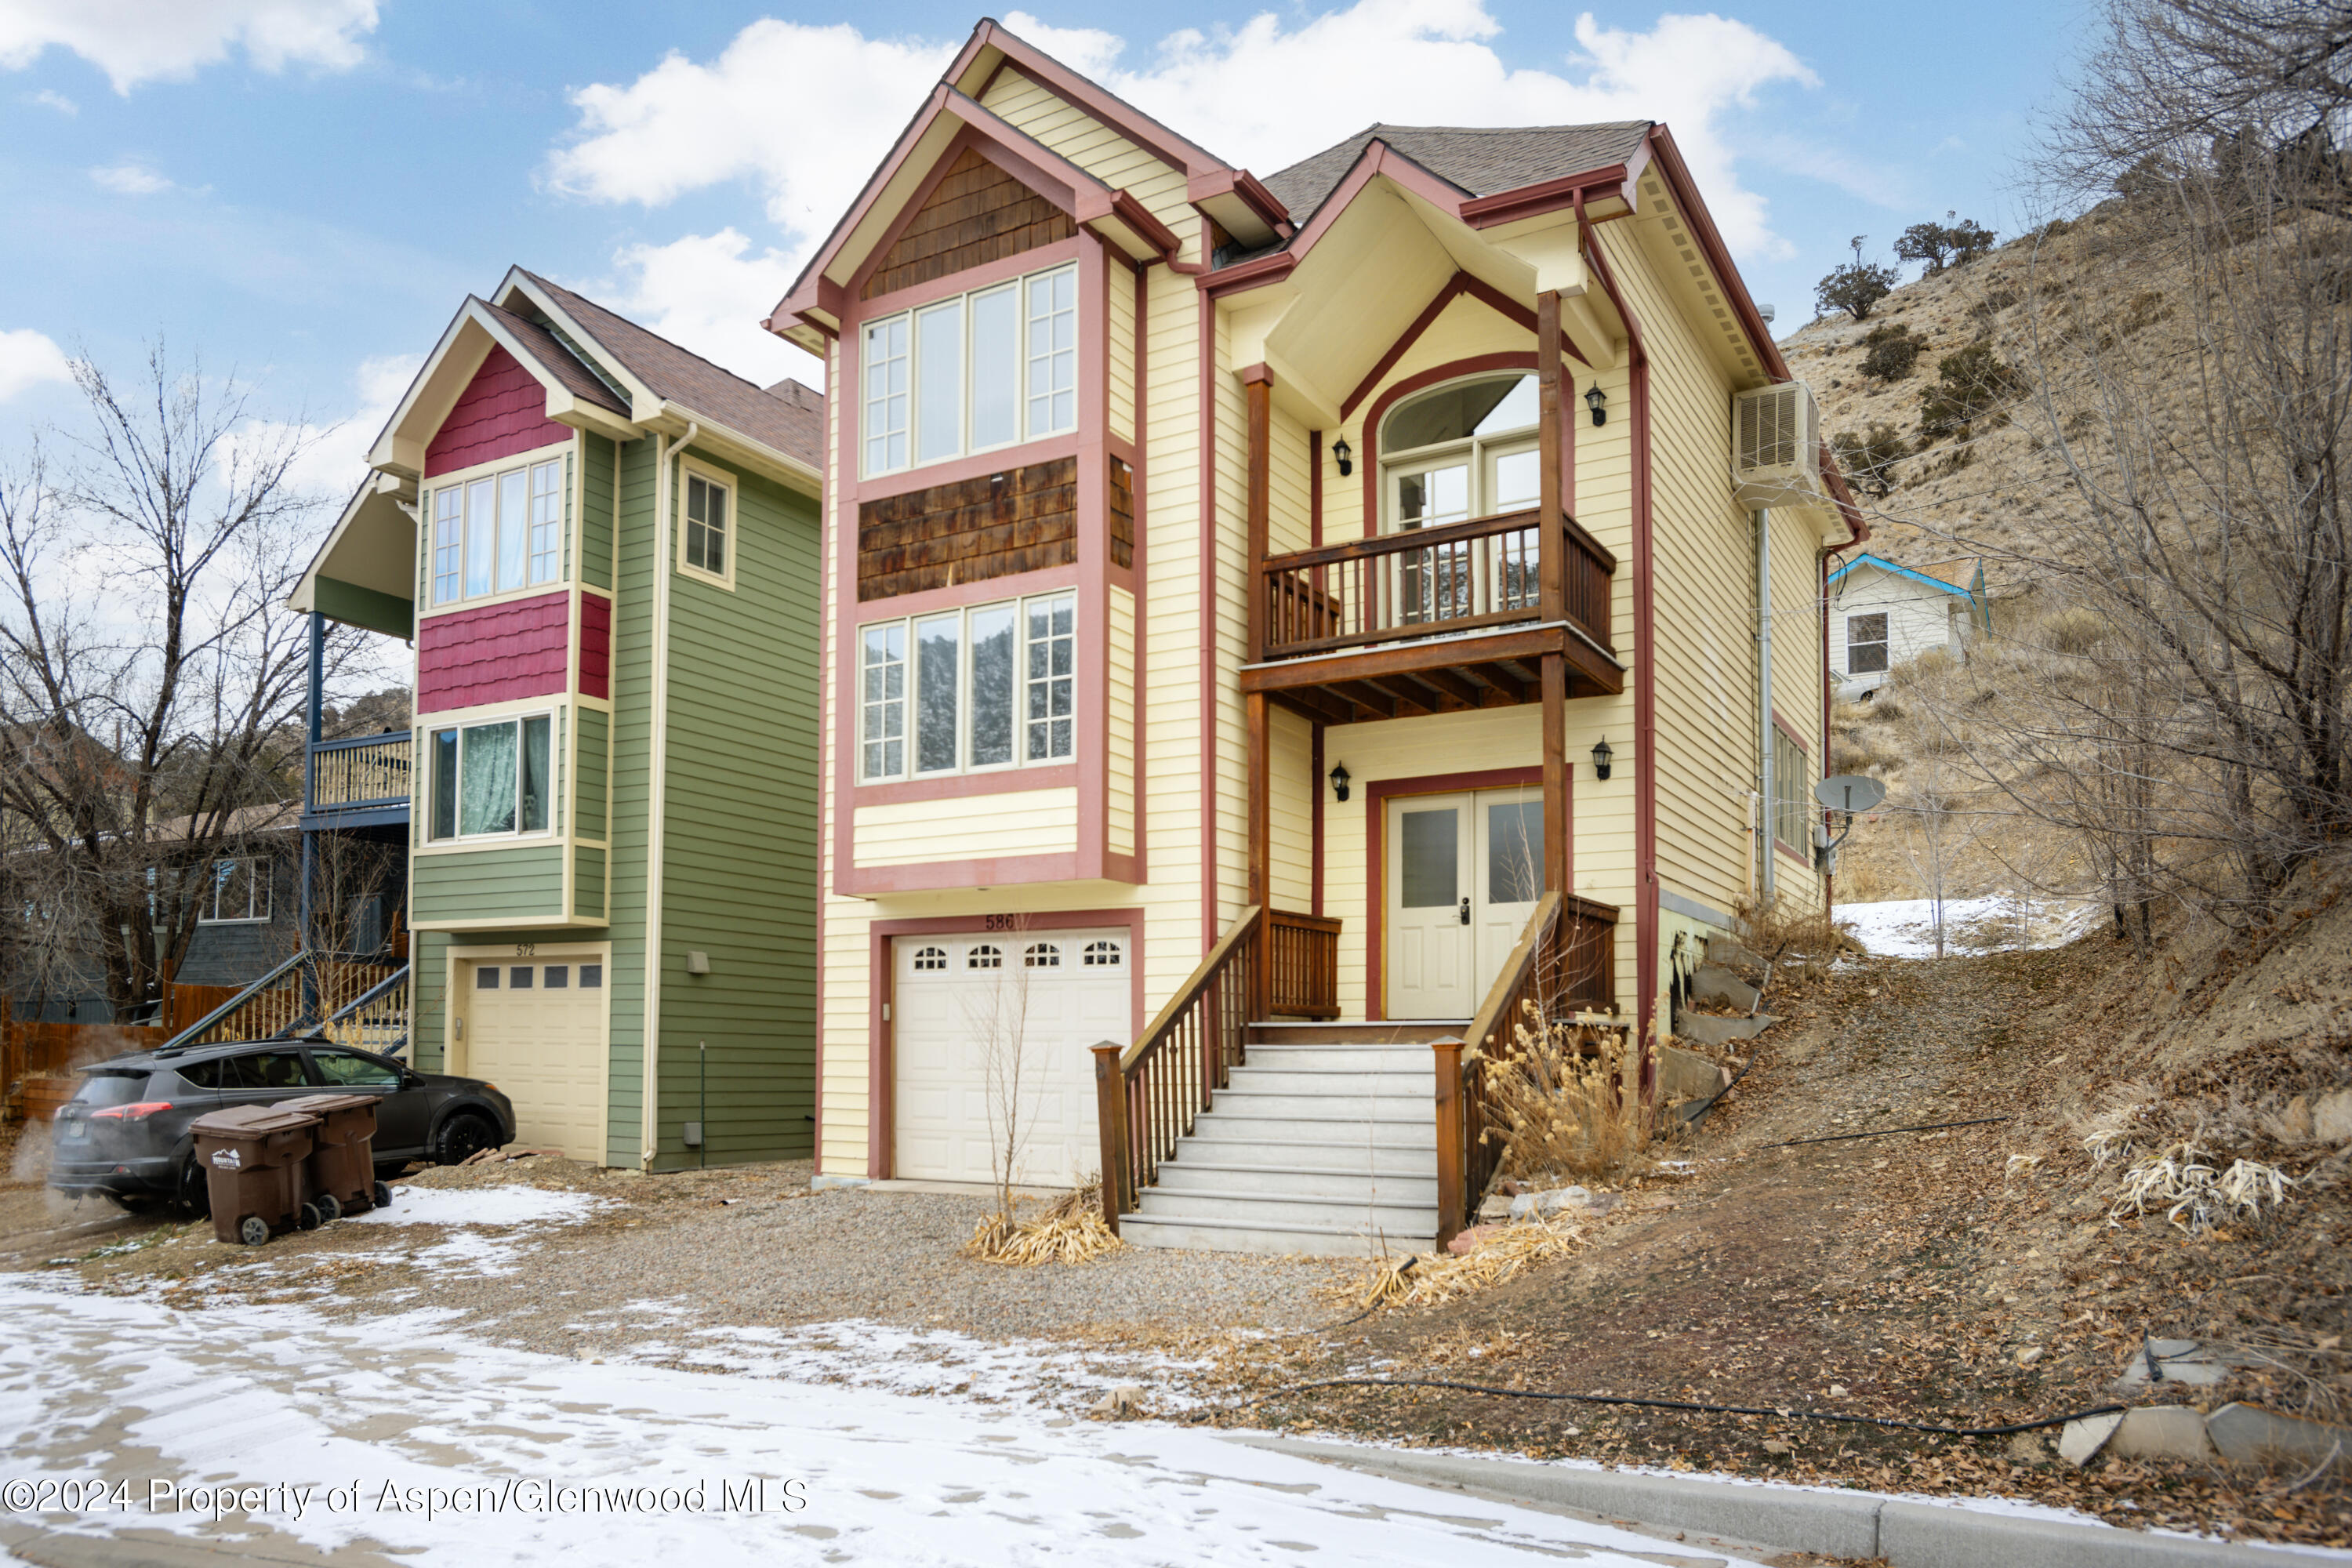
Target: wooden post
x=1258 y=383
x=1555 y=773
x=1261 y=853
x=1110 y=1129
x=1450 y=1175
x=1552 y=542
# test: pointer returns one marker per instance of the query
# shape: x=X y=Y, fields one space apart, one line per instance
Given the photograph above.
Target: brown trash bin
x=254 y=1159
x=342 y=1159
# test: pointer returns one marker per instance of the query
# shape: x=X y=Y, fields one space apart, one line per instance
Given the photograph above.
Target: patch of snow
x=1906 y=928
x=481 y=1206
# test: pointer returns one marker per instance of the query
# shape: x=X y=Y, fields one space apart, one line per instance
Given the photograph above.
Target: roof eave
x=674 y=419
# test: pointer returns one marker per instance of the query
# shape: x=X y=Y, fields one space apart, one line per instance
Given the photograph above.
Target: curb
x=1857 y=1525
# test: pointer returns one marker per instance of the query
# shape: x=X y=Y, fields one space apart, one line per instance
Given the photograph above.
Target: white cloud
x=1263 y=95
x=49 y=97
x=130 y=178
x=28 y=358
x=134 y=41
x=334 y=459
x=707 y=293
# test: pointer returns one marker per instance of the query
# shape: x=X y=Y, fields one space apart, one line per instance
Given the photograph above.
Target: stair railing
x=376 y=1019
x=1149 y=1096
x=281 y=1003
x=1467 y=1158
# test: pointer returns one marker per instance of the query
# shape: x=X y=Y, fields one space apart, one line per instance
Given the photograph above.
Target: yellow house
x=1274 y=624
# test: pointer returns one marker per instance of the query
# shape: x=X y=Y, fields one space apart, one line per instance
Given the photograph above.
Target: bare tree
x=152 y=681
x=998 y=1015
x=1936 y=831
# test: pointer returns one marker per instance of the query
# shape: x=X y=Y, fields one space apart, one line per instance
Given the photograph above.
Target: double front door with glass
x=1464 y=872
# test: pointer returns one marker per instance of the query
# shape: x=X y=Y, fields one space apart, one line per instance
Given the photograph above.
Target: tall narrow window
x=939 y=362
x=514 y=529
x=1789 y=787
x=991 y=687
x=1053 y=351
x=448 y=540
x=706 y=525
x=481 y=536
x=536 y=734
x=444 y=783
x=996 y=367
x=886 y=394
x=884 y=730
x=1053 y=663
x=938 y=644
x=546 y=521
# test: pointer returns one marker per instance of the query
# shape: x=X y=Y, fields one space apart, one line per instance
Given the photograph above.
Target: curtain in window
x=486 y=798
x=535 y=790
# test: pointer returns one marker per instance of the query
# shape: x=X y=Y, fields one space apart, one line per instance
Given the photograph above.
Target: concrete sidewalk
x=1857 y=1524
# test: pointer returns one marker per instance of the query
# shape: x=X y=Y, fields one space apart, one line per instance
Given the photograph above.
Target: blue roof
x=1890 y=567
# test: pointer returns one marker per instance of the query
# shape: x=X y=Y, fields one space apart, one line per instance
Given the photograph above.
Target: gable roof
x=548 y=350
x=1476 y=161
x=1945 y=576
x=791 y=421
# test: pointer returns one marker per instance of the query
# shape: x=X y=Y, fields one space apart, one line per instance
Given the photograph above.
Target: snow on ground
x=441 y=1449
x=1906 y=928
x=482 y=1205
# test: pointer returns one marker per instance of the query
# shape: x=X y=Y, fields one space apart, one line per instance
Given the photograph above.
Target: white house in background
x=1883 y=615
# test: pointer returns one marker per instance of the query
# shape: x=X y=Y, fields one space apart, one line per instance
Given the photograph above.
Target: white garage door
x=537 y=1030
x=963 y=1006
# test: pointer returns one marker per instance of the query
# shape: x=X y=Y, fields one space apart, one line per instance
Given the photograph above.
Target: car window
x=208 y=1075
x=265 y=1070
x=347 y=1070
x=100 y=1089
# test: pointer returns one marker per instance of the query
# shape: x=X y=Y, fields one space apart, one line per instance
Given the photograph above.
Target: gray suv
x=125 y=1134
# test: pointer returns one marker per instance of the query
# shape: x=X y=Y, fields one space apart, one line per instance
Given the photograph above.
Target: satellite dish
x=1849 y=791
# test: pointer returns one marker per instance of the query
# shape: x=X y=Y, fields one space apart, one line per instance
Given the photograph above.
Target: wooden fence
x=31 y=1052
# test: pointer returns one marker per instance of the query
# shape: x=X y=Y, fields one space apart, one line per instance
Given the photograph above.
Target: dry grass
x=1501 y=1254
x=1558 y=1103
x=1071 y=1230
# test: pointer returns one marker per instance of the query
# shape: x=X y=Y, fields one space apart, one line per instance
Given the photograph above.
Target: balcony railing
x=1458 y=577
x=360 y=771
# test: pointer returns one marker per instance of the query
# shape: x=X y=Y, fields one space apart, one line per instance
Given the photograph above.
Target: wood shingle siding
x=1023 y=520
x=978 y=213
x=1122 y=514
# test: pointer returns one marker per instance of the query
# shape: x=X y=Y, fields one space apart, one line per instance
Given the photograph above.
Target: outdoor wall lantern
x=1600 y=755
x=1598 y=401
x=1345 y=456
x=1340 y=780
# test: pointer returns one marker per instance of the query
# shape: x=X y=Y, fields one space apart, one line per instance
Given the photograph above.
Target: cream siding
x=964 y=828
x=1092 y=146
x=1290 y=514
x=1121 y=293
x=1120 y=808
x=1291 y=784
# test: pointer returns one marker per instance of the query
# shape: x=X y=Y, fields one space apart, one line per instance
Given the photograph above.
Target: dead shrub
x=1558 y=1103
x=1071 y=1230
x=2075 y=630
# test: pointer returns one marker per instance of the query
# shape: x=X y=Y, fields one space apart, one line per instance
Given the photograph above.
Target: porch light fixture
x=1598 y=401
x=1339 y=781
x=1345 y=456
x=1600 y=755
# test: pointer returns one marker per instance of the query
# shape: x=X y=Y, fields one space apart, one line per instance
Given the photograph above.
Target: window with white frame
x=703 y=547
x=970 y=689
x=972 y=372
x=1461 y=451
x=1865 y=644
x=1790 y=789
x=497 y=532
x=492 y=779
x=240 y=891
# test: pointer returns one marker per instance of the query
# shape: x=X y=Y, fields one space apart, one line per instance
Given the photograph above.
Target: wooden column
x=1553 y=544
x=1111 y=1126
x=1258 y=383
x=1450 y=1174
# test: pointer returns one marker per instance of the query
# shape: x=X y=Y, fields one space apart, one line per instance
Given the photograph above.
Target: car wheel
x=382 y=1195
x=253 y=1230
x=330 y=1207
x=463 y=1136
x=195 y=1196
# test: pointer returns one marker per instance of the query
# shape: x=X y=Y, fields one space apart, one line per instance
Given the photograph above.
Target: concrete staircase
x=1325 y=1144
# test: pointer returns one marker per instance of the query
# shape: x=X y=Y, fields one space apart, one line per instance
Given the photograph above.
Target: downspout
x=656 y=797
x=1769 y=808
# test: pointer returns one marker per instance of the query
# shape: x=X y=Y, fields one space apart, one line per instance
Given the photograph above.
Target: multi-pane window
x=240 y=891
x=972 y=372
x=705 y=526
x=1865 y=644
x=498 y=534
x=491 y=779
x=1790 y=790
x=1458 y=451
x=989 y=686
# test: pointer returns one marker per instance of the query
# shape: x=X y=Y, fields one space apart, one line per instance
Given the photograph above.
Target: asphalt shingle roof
x=787 y=416
x=1480 y=162
x=547 y=349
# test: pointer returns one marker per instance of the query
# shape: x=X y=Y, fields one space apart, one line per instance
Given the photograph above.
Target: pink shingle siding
x=502 y=411
x=596 y=646
x=493 y=655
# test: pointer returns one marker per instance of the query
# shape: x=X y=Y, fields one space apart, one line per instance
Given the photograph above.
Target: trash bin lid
x=327 y=1104
x=250 y=1121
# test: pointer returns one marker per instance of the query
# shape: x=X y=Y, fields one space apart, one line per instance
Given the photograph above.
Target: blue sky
x=305 y=189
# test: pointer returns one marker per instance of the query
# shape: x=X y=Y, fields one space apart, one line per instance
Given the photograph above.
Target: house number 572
x=525 y=949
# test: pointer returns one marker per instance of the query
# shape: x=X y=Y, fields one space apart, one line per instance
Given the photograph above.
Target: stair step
x=1300 y=1154
x=1213 y=1176
x=1283 y=1057
x=1342 y=1032
x=1337 y=1213
x=1247 y=1236
x=1324 y=1081
x=1231 y=1124
x=1369 y=1104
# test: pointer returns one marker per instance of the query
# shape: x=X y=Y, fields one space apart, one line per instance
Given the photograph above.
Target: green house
x=604 y=551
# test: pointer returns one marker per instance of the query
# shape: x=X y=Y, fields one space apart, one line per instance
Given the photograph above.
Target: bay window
x=968 y=690
x=972 y=372
x=491 y=779
x=499 y=533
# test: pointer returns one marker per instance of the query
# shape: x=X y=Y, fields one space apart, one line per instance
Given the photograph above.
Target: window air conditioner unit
x=1776 y=446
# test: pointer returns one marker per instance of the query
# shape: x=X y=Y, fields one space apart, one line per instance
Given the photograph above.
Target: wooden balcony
x=359 y=780
x=1433 y=620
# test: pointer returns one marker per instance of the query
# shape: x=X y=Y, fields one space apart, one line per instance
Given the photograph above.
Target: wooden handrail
x=1413 y=539
x=1465 y=1162
x=1301 y=968
x=1148 y=1097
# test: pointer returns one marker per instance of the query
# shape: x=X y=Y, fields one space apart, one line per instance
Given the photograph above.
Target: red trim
x=1457 y=286
x=1376 y=795
x=1140 y=128
x=1791 y=731
x=595 y=645
x=1545 y=196
x=1315 y=820
x=1515 y=358
x=881 y=1044
x=466 y=658
x=1789 y=853
x=959 y=786
x=502 y=411
x=981 y=591
x=1091 y=704
x=1829 y=881
x=965 y=280
x=1207 y=604
x=1138 y=579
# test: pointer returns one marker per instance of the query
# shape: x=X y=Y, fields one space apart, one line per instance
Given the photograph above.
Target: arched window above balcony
x=1464 y=450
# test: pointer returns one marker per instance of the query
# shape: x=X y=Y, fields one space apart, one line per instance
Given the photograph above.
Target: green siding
x=632 y=700
x=521 y=882
x=358 y=607
x=741 y=836
x=596 y=512
x=594 y=727
x=587 y=883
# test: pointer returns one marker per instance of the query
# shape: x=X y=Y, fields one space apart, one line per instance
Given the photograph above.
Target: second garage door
x=958 y=1001
x=537 y=1030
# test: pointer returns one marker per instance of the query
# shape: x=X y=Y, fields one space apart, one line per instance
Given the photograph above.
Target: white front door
x=986 y=1026
x=1464 y=873
x=537 y=1030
